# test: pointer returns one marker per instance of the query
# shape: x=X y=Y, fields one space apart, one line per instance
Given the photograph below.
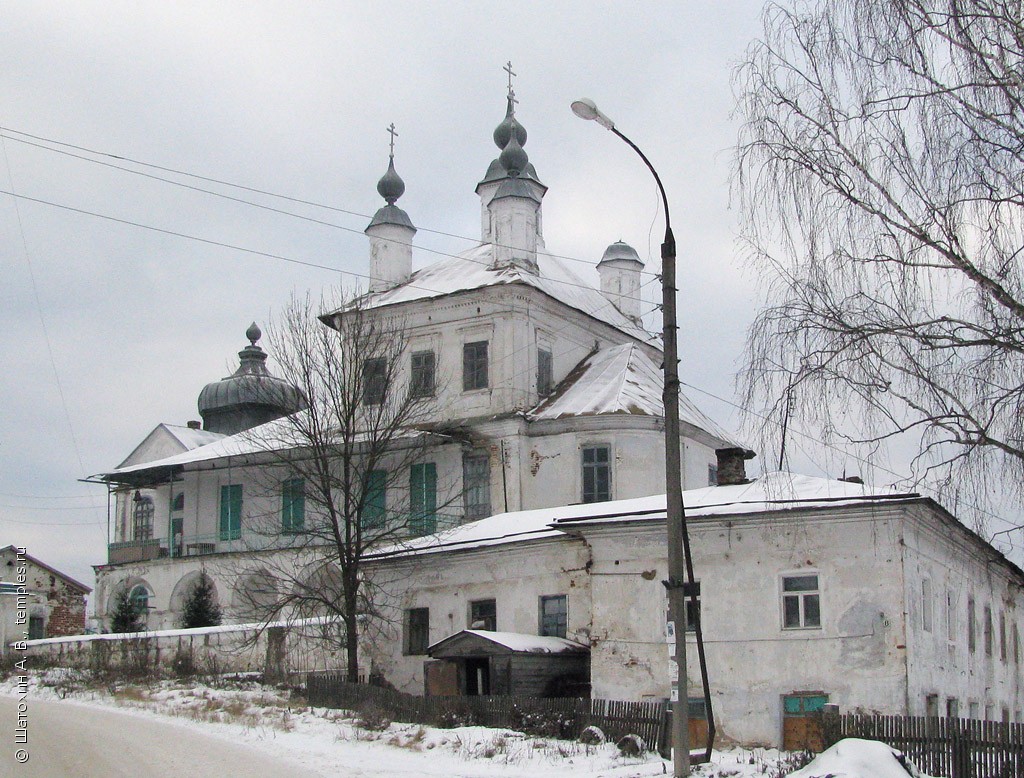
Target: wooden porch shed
x=480 y=662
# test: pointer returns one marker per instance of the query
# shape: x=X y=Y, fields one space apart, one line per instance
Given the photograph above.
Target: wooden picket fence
x=561 y=717
x=951 y=748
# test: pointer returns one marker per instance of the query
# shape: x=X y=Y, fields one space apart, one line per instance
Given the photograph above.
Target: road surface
x=79 y=741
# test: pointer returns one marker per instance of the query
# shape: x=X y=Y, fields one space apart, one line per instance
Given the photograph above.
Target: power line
x=242 y=187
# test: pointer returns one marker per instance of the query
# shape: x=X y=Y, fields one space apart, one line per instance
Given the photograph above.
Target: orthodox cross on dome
x=391 y=131
x=511 y=73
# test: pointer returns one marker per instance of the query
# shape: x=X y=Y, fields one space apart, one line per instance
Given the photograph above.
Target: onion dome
x=621 y=251
x=503 y=132
x=250 y=396
x=391 y=187
x=513 y=157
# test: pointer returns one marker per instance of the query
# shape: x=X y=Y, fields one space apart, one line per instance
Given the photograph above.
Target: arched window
x=139 y=598
x=142 y=517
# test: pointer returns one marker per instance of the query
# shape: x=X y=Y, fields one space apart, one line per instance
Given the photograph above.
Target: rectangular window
x=417 y=631
x=697 y=708
x=1002 y=637
x=597 y=474
x=476 y=484
x=375 y=375
x=423 y=499
x=692 y=612
x=973 y=710
x=926 y=605
x=545 y=373
x=483 y=614
x=712 y=475
x=421 y=380
x=231 y=512
x=987 y=634
x=293 y=505
x=950 y=616
x=952 y=708
x=375 y=505
x=971 y=631
x=474 y=365
x=931 y=705
x=554 y=615
x=36 y=628
x=801 y=605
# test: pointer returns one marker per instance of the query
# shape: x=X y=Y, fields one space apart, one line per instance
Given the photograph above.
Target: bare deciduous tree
x=324 y=474
x=881 y=173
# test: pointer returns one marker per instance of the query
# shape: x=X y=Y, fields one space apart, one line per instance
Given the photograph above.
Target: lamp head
x=585 y=108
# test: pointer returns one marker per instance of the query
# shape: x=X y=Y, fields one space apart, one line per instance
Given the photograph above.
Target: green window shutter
x=375 y=500
x=231 y=512
x=293 y=505
x=423 y=498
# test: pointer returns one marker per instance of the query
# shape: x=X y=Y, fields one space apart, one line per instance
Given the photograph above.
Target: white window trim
x=820 y=591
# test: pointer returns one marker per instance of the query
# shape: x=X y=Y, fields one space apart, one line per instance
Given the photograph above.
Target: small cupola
x=515 y=212
x=497 y=173
x=620 y=269
x=250 y=396
x=390 y=232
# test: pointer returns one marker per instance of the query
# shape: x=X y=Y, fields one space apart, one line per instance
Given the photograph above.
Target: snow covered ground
x=333 y=743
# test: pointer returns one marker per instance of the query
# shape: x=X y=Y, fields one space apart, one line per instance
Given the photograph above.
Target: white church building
x=811 y=591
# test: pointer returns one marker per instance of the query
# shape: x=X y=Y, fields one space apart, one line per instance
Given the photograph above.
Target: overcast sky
x=109 y=328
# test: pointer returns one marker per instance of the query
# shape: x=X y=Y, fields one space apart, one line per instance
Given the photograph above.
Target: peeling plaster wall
x=857 y=657
x=944 y=570
x=515 y=576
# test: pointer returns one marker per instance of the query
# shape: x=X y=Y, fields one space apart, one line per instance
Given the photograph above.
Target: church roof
x=620 y=379
x=472 y=270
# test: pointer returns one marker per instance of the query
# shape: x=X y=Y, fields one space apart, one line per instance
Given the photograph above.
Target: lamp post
x=678 y=540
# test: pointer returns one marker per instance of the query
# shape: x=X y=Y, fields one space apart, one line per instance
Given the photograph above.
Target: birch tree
x=880 y=170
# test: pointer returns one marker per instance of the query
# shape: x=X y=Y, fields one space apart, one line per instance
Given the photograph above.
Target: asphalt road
x=65 y=739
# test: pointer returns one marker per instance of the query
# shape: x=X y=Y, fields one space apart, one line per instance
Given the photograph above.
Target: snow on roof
x=495 y=530
x=277 y=435
x=471 y=270
x=856 y=758
x=771 y=492
x=520 y=643
x=192 y=438
x=620 y=379
x=774 y=491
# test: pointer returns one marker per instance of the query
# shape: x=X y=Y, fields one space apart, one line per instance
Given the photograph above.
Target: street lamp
x=678 y=540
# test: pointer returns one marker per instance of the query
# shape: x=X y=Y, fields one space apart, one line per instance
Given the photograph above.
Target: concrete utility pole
x=675 y=512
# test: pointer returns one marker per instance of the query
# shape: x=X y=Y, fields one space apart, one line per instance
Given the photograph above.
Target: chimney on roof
x=194 y=425
x=732 y=469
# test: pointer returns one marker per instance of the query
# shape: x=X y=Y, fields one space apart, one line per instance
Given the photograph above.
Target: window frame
x=690 y=621
x=293 y=505
x=972 y=624
x=479 y=487
x=595 y=494
x=422 y=498
x=926 y=604
x=230 y=525
x=416 y=633
x=545 y=372
x=802 y=597
x=143 y=516
x=374 y=380
x=475 y=365
x=374 y=514
x=560 y=618
x=475 y=605
x=422 y=377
